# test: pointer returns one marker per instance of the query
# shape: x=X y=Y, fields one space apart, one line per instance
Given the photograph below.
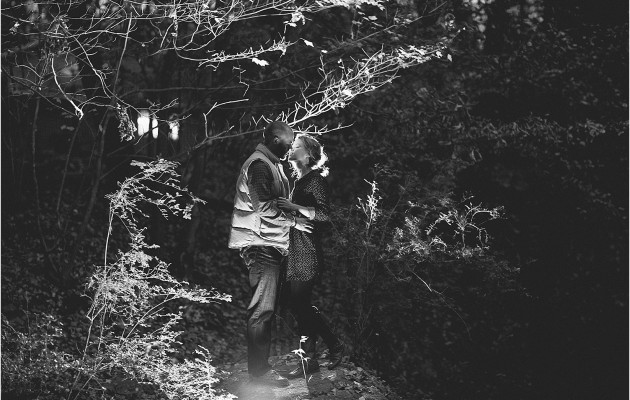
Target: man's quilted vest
x=248 y=229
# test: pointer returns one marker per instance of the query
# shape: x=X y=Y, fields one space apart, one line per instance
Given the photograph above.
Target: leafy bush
x=134 y=330
x=32 y=364
x=411 y=272
x=131 y=340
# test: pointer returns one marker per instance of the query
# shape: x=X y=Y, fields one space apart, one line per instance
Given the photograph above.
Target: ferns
x=134 y=331
x=131 y=328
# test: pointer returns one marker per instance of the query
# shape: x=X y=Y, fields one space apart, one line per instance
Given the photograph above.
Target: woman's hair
x=317 y=156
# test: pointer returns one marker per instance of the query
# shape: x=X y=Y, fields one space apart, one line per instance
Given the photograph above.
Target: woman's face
x=298 y=152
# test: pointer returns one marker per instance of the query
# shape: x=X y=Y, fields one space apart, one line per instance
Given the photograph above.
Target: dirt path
x=347 y=381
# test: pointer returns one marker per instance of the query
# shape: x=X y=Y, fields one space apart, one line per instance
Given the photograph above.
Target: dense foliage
x=536 y=123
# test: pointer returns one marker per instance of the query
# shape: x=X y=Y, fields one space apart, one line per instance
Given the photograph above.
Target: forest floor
x=221 y=327
x=347 y=381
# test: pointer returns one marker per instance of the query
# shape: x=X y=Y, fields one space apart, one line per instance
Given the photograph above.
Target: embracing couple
x=278 y=233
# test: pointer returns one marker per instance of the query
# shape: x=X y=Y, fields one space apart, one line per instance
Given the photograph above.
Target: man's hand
x=286 y=205
x=303 y=224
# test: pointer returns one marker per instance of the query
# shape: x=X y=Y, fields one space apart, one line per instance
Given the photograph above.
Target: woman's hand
x=286 y=205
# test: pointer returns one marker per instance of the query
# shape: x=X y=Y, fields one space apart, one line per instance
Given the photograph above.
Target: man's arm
x=318 y=189
x=260 y=183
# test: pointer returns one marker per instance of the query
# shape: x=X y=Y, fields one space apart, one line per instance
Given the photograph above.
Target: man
x=260 y=230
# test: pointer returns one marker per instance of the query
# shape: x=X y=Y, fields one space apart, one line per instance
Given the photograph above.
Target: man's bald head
x=276 y=129
x=278 y=137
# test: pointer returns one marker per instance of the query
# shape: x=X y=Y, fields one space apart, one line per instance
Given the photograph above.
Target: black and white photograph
x=314 y=200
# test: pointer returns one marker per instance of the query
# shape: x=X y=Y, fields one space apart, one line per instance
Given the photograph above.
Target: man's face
x=283 y=143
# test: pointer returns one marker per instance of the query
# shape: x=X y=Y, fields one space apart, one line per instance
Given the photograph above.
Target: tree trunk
x=191 y=179
x=98 y=172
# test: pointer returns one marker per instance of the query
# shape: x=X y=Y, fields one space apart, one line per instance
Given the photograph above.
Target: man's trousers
x=265 y=266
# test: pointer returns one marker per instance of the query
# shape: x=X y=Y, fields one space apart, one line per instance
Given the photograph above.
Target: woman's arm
x=286 y=205
x=321 y=192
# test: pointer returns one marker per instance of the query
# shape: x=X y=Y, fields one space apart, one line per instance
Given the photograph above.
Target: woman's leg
x=311 y=322
x=317 y=326
x=323 y=329
x=300 y=302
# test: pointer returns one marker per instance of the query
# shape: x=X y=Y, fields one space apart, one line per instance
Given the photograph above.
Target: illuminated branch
x=364 y=76
x=190 y=29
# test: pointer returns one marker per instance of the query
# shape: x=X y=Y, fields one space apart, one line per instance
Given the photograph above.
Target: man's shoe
x=303 y=369
x=270 y=378
x=335 y=355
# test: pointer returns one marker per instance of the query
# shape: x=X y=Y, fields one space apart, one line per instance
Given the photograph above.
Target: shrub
x=130 y=337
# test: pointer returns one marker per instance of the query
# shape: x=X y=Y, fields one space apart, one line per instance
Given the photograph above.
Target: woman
x=310 y=199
